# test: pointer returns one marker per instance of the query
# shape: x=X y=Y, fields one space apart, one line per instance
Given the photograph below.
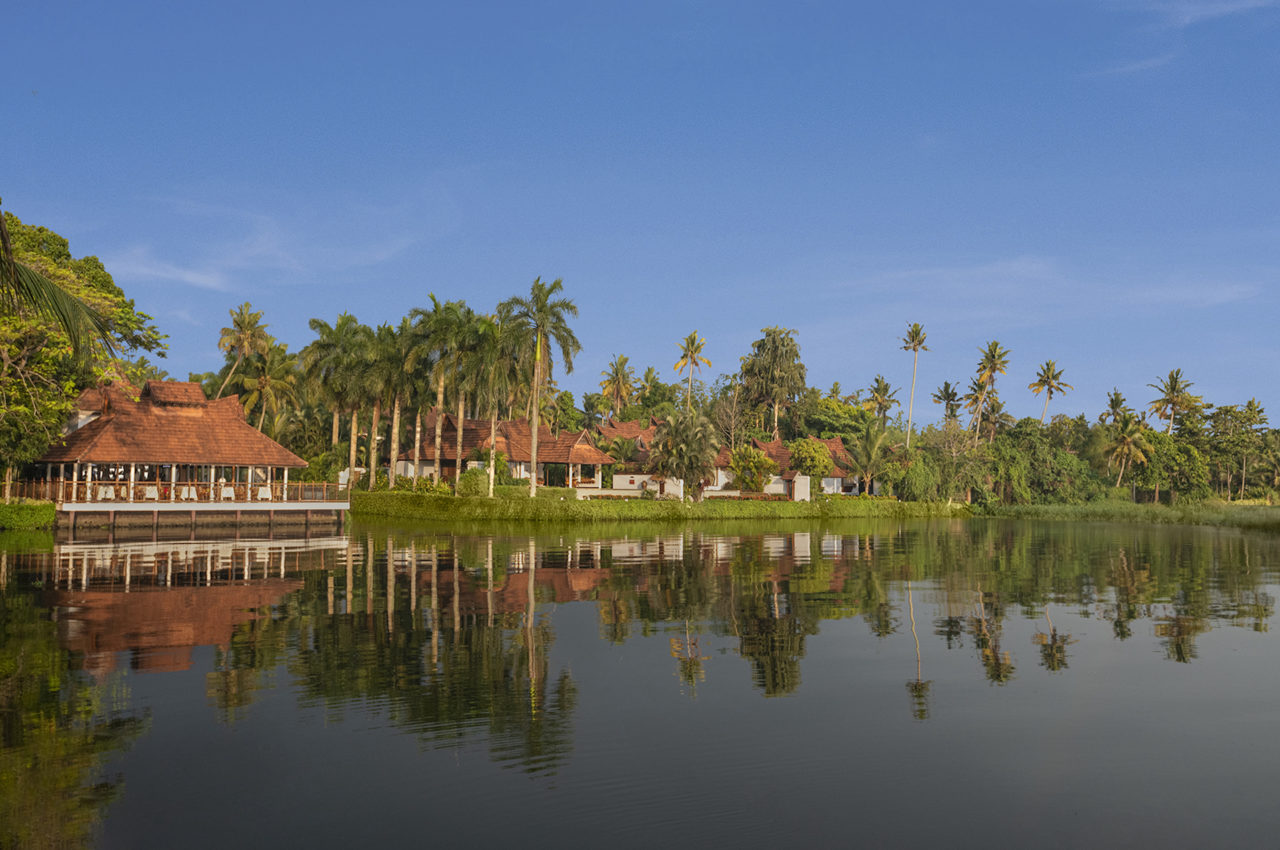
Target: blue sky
x=1092 y=181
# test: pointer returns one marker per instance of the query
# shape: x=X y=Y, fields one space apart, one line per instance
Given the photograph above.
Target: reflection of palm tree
x=1053 y=646
x=919 y=689
x=689 y=668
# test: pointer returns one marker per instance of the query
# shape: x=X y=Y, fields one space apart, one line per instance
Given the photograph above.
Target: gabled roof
x=636 y=429
x=171 y=422
x=778 y=452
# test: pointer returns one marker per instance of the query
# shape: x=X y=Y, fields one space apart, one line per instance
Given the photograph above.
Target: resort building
x=168 y=448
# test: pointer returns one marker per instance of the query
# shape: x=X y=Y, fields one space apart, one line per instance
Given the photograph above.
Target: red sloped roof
x=635 y=429
x=169 y=425
x=777 y=452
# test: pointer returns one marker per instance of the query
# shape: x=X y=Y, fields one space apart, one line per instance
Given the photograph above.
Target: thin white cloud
x=138 y=262
x=1134 y=67
x=1186 y=13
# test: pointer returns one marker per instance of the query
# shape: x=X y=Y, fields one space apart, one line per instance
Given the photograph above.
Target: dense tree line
x=355 y=396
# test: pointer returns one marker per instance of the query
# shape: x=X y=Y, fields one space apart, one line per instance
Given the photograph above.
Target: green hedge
x=26 y=516
x=1255 y=517
x=553 y=509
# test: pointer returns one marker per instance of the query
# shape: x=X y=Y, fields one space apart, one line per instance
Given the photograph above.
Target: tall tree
x=326 y=360
x=1048 y=381
x=691 y=358
x=24 y=288
x=1175 y=397
x=772 y=372
x=269 y=382
x=1127 y=445
x=992 y=361
x=496 y=350
x=618 y=382
x=913 y=342
x=544 y=318
x=442 y=325
x=685 y=446
x=247 y=335
x=880 y=399
x=947 y=396
x=869 y=454
x=1116 y=406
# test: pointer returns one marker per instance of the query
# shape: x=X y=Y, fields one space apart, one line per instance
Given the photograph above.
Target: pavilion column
x=248 y=483
x=285 y=492
x=75 y=481
x=271 y=480
x=133 y=477
x=212 y=483
x=173 y=482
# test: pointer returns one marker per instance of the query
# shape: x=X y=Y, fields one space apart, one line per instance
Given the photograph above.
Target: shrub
x=473 y=482
x=750 y=466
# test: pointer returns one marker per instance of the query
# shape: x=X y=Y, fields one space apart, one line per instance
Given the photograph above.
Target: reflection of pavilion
x=159 y=600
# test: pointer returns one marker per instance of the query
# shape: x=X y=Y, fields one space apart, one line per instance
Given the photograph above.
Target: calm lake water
x=978 y=684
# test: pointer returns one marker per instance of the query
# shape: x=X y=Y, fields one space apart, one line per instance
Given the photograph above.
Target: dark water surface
x=967 y=684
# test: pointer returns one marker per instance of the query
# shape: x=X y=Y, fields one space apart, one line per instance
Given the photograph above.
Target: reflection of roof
x=171 y=422
x=161 y=625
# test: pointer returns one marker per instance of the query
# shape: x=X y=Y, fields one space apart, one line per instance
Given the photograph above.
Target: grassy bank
x=27 y=516
x=1253 y=517
x=550 y=508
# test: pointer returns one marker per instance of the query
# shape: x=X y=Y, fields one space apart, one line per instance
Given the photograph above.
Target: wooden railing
x=183 y=492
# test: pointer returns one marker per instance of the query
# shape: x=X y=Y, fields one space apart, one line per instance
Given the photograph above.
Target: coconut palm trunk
x=417 y=443
x=351 y=449
x=333 y=440
x=533 y=419
x=373 y=444
x=462 y=412
x=439 y=422
x=911 y=402
x=394 y=448
x=493 y=447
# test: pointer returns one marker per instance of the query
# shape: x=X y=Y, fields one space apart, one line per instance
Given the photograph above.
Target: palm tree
x=947 y=396
x=1127 y=444
x=868 y=454
x=685 y=446
x=1049 y=381
x=324 y=363
x=913 y=342
x=691 y=358
x=442 y=326
x=270 y=381
x=544 y=318
x=772 y=372
x=247 y=335
x=383 y=375
x=1175 y=397
x=648 y=383
x=1115 y=406
x=493 y=380
x=992 y=361
x=617 y=385
x=24 y=288
x=880 y=399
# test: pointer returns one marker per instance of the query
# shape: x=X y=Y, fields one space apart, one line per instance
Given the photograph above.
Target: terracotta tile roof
x=475 y=433
x=513 y=440
x=169 y=425
x=635 y=429
x=777 y=451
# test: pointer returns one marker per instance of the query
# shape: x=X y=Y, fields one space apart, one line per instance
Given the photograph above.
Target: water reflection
x=451 y=638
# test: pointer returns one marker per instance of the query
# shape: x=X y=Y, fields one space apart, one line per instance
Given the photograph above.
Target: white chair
x=151 y=492
x=228 y=494
x=187 y=493
x=264 y=493
x=106 y=493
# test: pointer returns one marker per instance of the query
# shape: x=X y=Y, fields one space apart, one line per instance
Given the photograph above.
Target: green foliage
x=565 y=508
x=27 y=516
x=473 y=482
x=810 y=457
x=685 y=447
x=750 y=468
